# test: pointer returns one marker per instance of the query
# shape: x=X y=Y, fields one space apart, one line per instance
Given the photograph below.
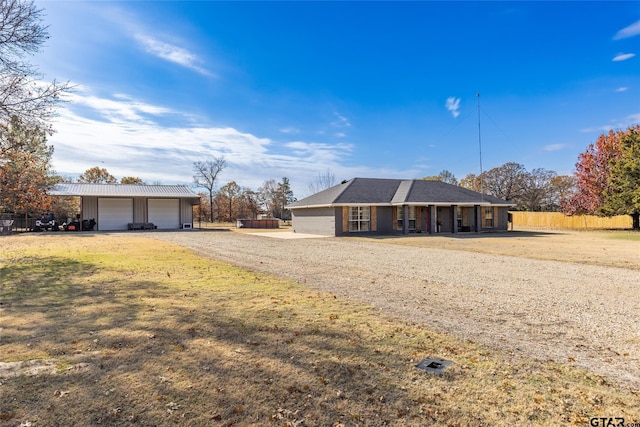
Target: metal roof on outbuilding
x=123 y=190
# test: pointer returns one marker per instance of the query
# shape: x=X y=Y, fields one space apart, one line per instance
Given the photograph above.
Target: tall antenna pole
x=480 y=148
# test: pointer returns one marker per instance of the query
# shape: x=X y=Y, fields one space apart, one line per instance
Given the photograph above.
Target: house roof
x=394 y=192
x=123 y=190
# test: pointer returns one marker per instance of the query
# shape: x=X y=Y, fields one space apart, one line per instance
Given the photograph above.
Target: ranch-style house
x=398 y=206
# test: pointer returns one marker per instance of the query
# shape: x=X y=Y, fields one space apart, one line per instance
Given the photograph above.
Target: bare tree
x=266 y=196
x=505 y=182
x=537 y=190
x=22 y=94
x=206 y=174
x=322 y=181
x=248 y=204
x=230 y=191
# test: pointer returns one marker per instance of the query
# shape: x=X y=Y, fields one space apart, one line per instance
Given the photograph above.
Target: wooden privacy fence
x=560 y=220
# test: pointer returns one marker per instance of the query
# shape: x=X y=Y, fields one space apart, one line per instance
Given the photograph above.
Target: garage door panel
x=164 y=213
x=114 y=214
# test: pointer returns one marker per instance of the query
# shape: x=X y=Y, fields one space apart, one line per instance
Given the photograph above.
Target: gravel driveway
x=580 y=314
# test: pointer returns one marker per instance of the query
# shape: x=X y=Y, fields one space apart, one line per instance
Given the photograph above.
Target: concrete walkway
x=287 y=235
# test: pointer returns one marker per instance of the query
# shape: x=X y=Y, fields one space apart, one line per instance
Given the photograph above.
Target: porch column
x=478 y=215
x=433 y=226
x=405 y=219
x=454 y=218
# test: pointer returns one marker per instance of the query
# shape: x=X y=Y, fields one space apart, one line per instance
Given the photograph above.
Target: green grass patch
x=633 y=236
x=143 y=332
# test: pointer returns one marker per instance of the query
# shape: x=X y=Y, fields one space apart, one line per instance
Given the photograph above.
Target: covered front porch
x=443 y=218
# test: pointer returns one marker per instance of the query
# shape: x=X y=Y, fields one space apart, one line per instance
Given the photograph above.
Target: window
x=359 y=218
x=488 y=217
x=412 y=217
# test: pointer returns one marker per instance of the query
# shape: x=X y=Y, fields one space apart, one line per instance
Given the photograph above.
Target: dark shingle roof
x=441 y=192
x=372 y=190
x=375 y=191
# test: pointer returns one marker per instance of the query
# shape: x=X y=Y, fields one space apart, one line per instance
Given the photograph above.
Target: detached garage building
x=115 y=206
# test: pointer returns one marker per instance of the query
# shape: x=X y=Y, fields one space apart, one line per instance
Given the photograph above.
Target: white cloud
x=453 y=105
x=127 y=137
x=623 y=57
x=630 y=31
x=171 y=53
x=622 y=89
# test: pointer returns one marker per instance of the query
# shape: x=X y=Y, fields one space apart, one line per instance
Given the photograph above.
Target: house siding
x=374 y=219
x=140 y=209
x=89 y=208
x=186 y=212
x=345 y=220
x=444 y=219
x=385 y=219
x=503 y=218
x=319 y=221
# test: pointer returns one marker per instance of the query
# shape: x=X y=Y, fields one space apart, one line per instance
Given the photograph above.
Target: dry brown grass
x=620 y=248
x=134 y=331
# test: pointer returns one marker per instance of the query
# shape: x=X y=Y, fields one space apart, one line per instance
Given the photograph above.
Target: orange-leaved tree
x=594 y=171
x=25 y=175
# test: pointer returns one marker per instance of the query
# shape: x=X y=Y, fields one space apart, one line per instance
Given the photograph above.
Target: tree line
x=231 y=201
x=606 y=179
x=537 y=190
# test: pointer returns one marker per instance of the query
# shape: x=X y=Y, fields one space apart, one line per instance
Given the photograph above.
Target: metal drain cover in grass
x=434 y=365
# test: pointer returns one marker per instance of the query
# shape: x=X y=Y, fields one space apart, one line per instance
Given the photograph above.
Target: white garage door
x=114 y=214
x=164 y=213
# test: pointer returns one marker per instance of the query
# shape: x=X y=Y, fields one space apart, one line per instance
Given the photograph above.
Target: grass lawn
x=113 y=330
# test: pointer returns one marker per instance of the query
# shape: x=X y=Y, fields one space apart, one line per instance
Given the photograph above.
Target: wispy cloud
x=319 y=152
x=623 y=57
x=290 y=130
x=622 y=89
x=341 y=122
x=630 y=120
x=171 y=53
x=453 y=105
x=630 y=31
x=554 y=147
x=120 y=108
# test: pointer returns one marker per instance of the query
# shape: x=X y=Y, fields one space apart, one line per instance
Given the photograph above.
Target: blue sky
x=369 y=89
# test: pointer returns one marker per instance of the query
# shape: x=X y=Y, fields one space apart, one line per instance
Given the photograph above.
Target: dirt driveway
x=572 y=312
